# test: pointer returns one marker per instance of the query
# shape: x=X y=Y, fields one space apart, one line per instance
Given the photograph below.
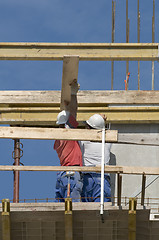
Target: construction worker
x=92 y=155
x=69 y=184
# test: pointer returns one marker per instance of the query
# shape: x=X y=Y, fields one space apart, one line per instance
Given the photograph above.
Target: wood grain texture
x=85 y=51
x=52 y=98
x=56 y=133
x=108 y=169
x=69 y=74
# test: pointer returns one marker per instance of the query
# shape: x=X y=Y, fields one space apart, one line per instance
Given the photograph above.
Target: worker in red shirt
x=69 y=153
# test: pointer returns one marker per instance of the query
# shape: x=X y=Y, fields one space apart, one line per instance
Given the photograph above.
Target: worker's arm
x=73 y=105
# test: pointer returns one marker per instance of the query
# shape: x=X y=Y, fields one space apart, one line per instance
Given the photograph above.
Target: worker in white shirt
x=92 y=155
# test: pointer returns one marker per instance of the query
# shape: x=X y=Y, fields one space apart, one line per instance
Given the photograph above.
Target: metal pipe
x=16 y=173
x=102 y=173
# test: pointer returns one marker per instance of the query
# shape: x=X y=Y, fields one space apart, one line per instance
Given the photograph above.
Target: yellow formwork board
x=47 y=116
x=85 y=51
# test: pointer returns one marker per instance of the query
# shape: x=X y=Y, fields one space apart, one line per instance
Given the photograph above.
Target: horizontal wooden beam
x=108 y=169
x=88 y=98
x=79 y=134
x=139 y=138
x=46 y=116
x=57 y=133
x=40 y=108
x=85 y=51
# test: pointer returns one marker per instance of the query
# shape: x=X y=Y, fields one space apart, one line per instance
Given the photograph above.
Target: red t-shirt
x=69 y=151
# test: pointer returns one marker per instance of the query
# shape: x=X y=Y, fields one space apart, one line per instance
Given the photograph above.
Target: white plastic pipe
x=102 y=173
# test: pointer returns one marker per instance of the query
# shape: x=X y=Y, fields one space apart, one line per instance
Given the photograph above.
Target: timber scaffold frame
x=26 y=109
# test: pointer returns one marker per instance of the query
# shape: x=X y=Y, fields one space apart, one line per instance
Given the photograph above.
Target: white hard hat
x=62 y=117
x=96 y=121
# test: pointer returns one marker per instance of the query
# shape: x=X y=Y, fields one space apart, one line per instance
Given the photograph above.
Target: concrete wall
x=136 y=155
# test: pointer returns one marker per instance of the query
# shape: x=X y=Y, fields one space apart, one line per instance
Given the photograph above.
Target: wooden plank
x=69 y=74
x=57 y=133
x=85 y=51
x=140 y=170
x=139 y=138
x=40 y=108
x=109 y=169
x=46 y=116
x=79 y=134
x=100 y=98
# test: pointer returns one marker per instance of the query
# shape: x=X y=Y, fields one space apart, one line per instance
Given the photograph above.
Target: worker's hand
x=66 y=103
x=104 y=117
x=74 y=87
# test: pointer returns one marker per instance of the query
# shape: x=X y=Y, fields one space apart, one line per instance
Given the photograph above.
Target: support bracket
x=68 y=219
x=132 y=219
x=6 y=230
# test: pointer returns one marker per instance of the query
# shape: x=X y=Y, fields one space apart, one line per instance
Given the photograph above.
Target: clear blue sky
x=64 y=21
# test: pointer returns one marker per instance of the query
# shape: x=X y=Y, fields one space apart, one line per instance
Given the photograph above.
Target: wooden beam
x=57 y=133
x=139 y=138
x=47 y=116
x=85 y=51
x=108 y=169
x=69 y=74
x=79 y=134
x=40 y=108
x=85 y=98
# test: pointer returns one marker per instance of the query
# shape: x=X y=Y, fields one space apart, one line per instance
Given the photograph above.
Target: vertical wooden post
x=69 y=74
x=6 y=234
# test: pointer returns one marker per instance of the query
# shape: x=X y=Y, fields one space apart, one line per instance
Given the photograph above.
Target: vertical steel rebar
x=138 y=39
x=153 y=40
x=16 y=173
x=127 y=38
x=113 y=33
x=143 y=189
x=119 y=189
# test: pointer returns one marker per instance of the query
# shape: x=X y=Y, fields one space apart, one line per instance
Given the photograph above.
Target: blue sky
x=64 y=21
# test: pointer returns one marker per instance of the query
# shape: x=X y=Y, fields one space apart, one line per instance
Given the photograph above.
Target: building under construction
x=132 y=128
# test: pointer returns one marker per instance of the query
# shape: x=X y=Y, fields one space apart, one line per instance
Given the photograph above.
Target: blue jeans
x=76 y=184
x=92 y=187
